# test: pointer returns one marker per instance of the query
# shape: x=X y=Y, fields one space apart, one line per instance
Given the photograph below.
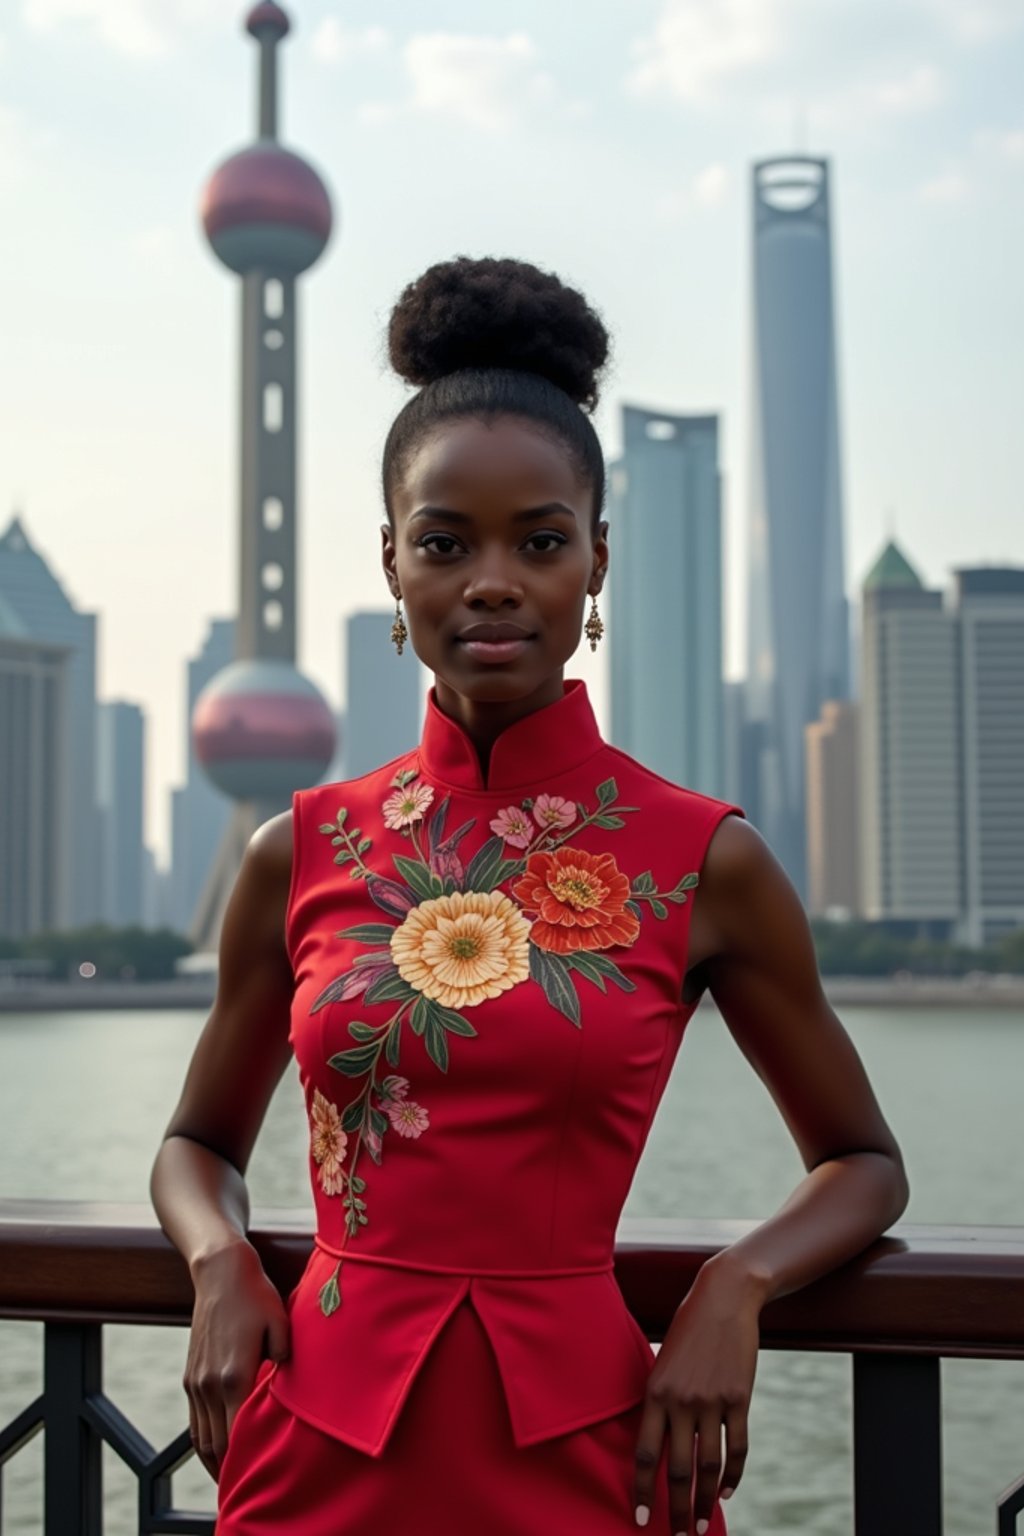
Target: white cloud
x=950 y=187
x=334 y=44
x=977 y=21
x=1007 y=143
x=698 y=43
x=920 y=89
x=139 y=28
x=711 y=185
x=487 y=83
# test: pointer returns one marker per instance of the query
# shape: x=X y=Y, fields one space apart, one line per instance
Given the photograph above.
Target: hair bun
x=491 y=312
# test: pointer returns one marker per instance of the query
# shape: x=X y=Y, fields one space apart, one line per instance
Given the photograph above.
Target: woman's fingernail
x=702 y=1526
x=727 y=1493
x=643 y=1514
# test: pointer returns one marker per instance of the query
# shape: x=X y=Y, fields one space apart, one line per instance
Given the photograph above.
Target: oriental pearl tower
x=260 y=729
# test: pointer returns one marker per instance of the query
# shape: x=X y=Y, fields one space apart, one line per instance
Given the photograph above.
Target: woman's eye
x=546 y=541
x=435 y=540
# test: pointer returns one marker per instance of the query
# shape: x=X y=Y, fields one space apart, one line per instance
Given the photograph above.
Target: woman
x=488 y=950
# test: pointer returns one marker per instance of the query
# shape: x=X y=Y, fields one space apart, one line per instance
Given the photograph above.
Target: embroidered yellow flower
x=462 y=948
x=327 y=1143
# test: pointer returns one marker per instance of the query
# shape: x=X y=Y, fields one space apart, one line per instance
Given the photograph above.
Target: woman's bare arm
x=761 y=969
x=198 y=1180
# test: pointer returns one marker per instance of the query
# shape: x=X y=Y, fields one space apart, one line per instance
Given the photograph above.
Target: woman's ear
x=600 y=567
x=387 y=560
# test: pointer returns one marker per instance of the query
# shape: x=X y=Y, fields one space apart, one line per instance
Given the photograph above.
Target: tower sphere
x=266 y=208
x=267 y=17
x=261 y=730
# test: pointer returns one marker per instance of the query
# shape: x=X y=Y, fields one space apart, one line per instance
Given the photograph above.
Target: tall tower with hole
x=797 y=616
x=261 y=729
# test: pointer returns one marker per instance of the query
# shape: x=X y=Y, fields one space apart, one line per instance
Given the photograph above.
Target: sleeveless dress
x=487 y=1007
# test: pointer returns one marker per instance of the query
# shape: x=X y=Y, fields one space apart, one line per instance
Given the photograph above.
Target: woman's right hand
x=238 y=1320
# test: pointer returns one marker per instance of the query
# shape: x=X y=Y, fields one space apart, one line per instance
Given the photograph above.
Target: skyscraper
x=120 y=771
x=46 y=615
x=798 y=630
x=665 y=611
x=910 y=782
x=833 y=809
x=383 y=694
x=199 y=812
x=35 y=780
x=989 y=605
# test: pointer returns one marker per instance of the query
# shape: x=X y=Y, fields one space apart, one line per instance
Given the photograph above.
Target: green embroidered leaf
x=340 y=818
x=635 y=907
x=378 y=1122
x=553 y=974
x=598 y=968
x=327 y=828
x=357 y=1183
x=362 y=1219
x=390 y=988
x=607 y=792
x=482 y=873
x=448 y=1019
x=420 y=1014
x=366 y=843
x=436 y=1042
x=609 y=823
x=337 y=842
x=405 y=777
x=360 y=1031
x=644 y=882
x=368 y=933
x=356 y=1061
x=391 y=1049
x=342 y=857
x=688 y=882
x=330 y=1297
x=352 y=1115
x=418 y=877
x=659 y=908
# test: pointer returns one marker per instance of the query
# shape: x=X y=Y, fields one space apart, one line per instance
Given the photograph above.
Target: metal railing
x=917 y=1297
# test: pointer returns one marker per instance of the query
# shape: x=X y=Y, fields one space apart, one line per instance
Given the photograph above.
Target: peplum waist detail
x=567 y=1349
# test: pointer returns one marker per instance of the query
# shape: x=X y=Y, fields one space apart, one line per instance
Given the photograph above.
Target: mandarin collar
x=546 y=742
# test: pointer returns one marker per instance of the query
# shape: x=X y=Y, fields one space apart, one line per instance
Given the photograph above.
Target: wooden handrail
x=951 y=1291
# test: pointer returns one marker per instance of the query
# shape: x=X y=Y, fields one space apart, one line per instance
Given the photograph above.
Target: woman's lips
x=496 y=650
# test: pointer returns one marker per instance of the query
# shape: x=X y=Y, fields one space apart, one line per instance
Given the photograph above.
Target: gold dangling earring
x=593 y=628
x=399 y=633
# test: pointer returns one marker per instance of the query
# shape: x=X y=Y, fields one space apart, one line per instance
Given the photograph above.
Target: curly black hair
x=491 y=337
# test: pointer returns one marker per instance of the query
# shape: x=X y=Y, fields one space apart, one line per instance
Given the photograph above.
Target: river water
x=84 y=1099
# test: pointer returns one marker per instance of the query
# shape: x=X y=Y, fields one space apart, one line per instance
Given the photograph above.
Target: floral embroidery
x=551 y=811
x=327 y=1143
x=407 y=805
x=453 y=939
x=514 y=826
x=580 y=900
x=461 y=948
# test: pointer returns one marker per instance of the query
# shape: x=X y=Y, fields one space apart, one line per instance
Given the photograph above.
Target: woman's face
x=494 y=555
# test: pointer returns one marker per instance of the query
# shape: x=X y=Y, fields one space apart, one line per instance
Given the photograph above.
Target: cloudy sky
x=610 y=142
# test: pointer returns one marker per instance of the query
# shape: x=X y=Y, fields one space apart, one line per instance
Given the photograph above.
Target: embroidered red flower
x=580 y=901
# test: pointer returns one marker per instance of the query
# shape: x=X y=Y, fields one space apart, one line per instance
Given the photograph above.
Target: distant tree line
x=867 y=949
x=843 y=949
x=119 y=954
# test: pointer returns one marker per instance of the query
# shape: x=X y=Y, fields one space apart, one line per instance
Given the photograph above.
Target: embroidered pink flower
x=553 y=813
x=407 y=1118
x=514 y=826
x=406 y=805
x=327 y=1143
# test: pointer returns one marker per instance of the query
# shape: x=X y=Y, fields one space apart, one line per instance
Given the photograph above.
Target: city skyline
x=118 y=382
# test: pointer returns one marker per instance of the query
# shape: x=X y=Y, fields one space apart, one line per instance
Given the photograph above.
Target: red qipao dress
x=488 y=985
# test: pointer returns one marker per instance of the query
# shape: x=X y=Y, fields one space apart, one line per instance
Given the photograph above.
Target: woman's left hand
x=699 y=1386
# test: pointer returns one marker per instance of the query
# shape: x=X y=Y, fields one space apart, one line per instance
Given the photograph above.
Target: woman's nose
x=493 y=580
